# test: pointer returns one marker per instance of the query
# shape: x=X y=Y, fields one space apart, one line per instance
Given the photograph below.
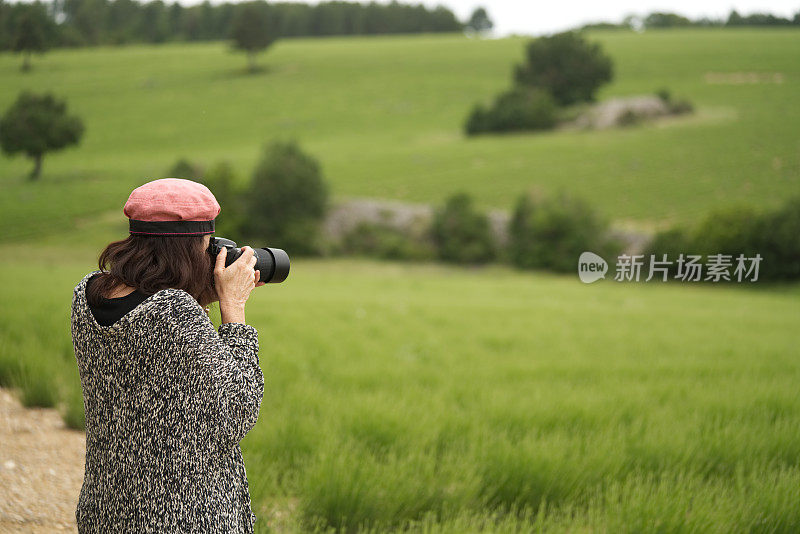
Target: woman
x=167 y=397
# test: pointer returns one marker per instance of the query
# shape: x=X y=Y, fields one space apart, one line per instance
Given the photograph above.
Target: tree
x=221 y=180
x=734 y=19
x=153 y=24
x=479 y=21
x=122 y=21
x=252 y=30
x=665 y=20
x=187 y=169
x=286 y=200
x=33 y=31
x=88 y=19
x=462 y=234
x=566 y=65
x=37 y=124
x=552 y=232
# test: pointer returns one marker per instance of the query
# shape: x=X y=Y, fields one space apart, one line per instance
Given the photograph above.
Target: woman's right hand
x=235 y=282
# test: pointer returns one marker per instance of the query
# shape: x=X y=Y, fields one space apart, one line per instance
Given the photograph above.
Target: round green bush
x=552 y=232
x=461 y=233
x=286 y=200
x=517 y=109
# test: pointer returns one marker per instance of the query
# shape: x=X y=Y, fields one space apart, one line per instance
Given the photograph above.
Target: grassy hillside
x=384 y=115
x=397 y=391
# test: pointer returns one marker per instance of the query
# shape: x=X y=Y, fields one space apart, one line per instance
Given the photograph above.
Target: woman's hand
x=235 y=282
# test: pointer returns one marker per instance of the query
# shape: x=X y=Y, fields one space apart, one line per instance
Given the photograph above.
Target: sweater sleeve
x=225 y=368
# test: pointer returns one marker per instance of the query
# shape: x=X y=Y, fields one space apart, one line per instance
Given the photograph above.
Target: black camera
x=272 y=262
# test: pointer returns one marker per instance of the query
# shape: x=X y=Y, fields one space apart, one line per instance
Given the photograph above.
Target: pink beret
x=171 y=206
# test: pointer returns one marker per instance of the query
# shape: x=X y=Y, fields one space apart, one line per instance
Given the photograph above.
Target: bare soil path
x=41 y=469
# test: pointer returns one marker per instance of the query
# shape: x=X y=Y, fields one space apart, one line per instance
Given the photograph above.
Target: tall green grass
x=384 y=116
x=432 y=399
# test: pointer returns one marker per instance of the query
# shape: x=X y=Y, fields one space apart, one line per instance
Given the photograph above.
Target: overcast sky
x=532 y=17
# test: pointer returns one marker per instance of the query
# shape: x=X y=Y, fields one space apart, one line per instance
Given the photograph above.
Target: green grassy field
x=436 y=399
x=384 y=115
x=444 y=396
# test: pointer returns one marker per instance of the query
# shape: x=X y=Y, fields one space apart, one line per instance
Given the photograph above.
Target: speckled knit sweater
x=167 y=400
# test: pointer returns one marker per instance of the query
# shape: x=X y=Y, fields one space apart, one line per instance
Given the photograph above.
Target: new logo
x=591 y=267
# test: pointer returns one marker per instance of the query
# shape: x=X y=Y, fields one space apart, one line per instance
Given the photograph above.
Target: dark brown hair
x=152 y=263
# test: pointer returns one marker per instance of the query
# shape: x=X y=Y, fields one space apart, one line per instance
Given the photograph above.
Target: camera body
x=273 y=263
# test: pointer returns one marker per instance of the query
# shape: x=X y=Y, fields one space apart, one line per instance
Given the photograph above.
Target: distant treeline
x=673 y=20
x=92 y=22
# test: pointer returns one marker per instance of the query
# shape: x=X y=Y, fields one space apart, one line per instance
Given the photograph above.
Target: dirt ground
x=41 y=469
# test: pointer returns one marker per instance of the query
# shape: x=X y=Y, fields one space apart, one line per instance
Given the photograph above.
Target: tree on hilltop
x=252 y=30
x=479 y=21
x=37 y=124
x=32 y=33
x=566 y=65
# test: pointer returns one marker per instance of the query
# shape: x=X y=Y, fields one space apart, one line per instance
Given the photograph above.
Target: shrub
x=286 y=200
x=779 y=242
x=732 y=231
x=380 y=240
x=478 y=120
x=629 y=118
x=664 y=94
x=186 y=169
x=461 y=233
x=221 y=180
x=676 y=107
x=565 y=65
x=673 y=242
x=729 y=231
x=552 y=232
x=679 y=107
x=517 y=109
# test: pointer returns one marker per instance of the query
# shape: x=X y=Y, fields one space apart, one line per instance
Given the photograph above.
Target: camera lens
x=273 y=264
